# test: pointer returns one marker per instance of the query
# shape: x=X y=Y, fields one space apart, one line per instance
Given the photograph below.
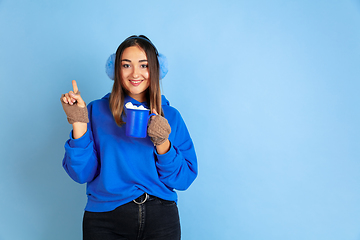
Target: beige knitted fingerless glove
x=158 y=130
x=75 y=113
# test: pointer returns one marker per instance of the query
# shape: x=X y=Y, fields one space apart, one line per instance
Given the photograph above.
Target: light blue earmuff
x=110 y=66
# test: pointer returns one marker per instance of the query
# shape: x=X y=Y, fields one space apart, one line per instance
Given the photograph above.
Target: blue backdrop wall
x=269 y=91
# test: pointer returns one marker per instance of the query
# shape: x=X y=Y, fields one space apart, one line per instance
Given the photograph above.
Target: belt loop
x=139 y=203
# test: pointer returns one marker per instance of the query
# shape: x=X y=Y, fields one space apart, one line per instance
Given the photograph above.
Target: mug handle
x=153 y=114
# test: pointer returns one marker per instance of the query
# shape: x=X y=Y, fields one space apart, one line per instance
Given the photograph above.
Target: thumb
x=78 y=98
x=154 y=111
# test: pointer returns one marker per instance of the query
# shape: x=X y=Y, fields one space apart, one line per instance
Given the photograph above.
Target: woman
x=130 y=181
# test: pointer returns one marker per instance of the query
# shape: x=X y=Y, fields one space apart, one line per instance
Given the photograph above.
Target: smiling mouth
x=135 y=82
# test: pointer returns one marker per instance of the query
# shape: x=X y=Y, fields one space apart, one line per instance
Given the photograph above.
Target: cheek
x=148 y=83
x=123 y=73
x=123 y=78
x=146 y=75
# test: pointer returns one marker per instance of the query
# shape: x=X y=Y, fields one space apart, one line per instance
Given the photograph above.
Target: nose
x=135 y=72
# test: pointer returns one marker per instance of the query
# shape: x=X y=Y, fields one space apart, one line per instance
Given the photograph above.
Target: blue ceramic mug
x=136 y=122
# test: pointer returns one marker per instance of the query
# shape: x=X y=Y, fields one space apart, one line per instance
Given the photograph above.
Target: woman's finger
x=63 y=98
x=75 y=87
x=73 y=97
x=67 y=98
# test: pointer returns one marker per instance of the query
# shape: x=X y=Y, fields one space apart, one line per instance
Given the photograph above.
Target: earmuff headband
x=147 y=40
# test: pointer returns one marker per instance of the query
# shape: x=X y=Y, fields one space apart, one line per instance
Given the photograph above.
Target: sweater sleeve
x=177 y=168
x=80 y=160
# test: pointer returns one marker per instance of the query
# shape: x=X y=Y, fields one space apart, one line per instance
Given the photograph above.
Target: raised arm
x=80 y=160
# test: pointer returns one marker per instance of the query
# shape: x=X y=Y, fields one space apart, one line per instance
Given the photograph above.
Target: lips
x=136 y=83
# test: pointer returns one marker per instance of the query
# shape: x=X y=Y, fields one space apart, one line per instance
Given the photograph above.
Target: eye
x=125 y=65
x=144 y=66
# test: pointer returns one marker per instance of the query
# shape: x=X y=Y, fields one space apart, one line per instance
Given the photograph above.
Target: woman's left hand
x=159 y=131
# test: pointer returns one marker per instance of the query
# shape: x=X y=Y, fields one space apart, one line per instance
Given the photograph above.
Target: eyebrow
x=127 y=60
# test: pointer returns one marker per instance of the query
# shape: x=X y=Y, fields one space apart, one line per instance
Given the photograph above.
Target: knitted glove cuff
x=75 y=113
x=157 y=140
x=158 y=130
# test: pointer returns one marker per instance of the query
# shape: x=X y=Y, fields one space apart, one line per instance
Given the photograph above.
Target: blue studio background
x=269 y=91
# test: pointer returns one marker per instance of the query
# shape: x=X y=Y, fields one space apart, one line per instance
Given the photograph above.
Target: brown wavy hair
x=153 y=95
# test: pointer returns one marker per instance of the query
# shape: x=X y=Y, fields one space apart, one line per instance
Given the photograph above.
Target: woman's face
x=135 y=72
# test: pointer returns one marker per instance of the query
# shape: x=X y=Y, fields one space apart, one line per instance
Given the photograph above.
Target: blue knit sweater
x=118 y=169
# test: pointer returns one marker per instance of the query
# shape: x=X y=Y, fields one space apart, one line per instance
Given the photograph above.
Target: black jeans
x=154 y=219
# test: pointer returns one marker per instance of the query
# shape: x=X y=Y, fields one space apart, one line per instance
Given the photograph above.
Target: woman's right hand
x=74 y=96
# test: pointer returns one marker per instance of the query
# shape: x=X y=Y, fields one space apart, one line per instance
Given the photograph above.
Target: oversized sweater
x=118 y=168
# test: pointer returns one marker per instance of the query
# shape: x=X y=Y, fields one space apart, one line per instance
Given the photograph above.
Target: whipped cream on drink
x=129 y=105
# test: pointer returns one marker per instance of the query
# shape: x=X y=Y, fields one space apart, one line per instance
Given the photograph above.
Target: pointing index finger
x=75 y=88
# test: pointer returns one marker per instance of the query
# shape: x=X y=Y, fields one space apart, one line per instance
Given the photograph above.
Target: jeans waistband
x=144 y=198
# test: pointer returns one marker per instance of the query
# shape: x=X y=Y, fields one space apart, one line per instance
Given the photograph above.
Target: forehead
x=134 y=53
